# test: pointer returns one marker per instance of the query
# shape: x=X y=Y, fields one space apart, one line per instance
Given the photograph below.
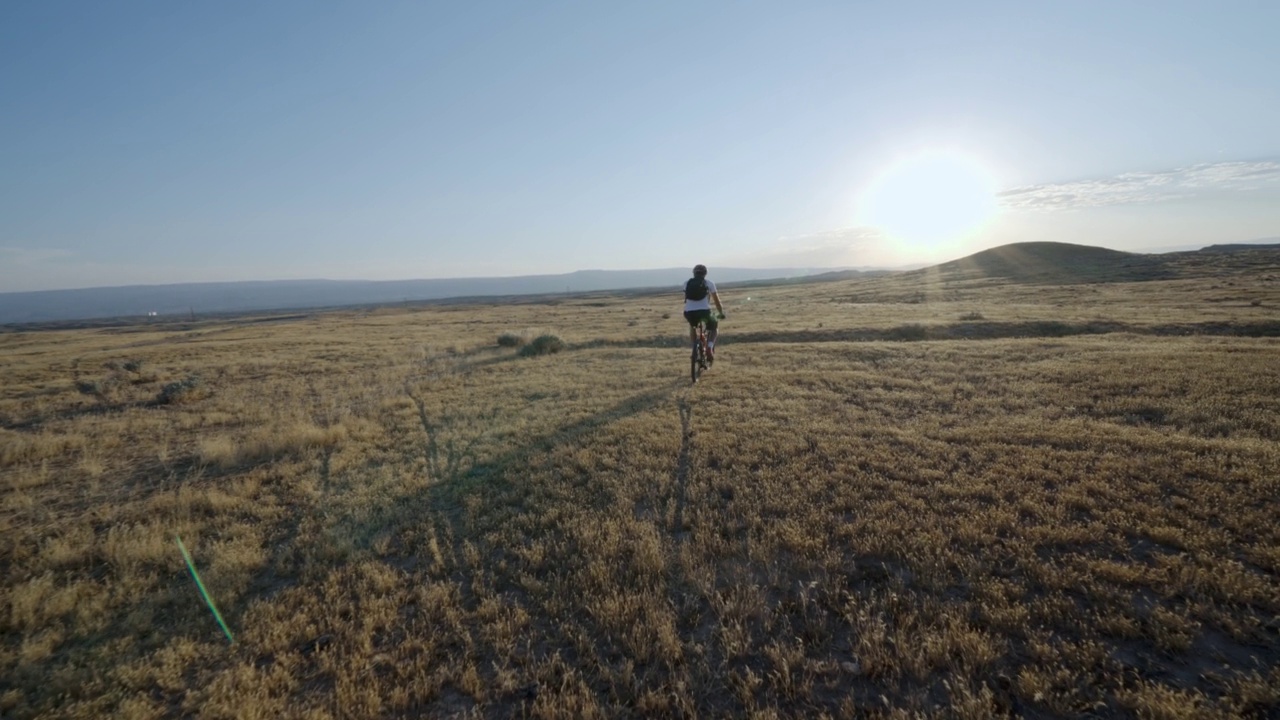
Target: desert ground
x=1042 y=482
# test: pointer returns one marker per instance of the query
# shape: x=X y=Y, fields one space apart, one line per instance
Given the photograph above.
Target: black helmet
x=699 y=270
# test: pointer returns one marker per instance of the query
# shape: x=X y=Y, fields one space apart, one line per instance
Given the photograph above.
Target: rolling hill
x=1035 y=263
x=241 y=297
x=1053 y=263
x=1056 y=263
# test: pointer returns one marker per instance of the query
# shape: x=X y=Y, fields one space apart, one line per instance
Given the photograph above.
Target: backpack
x=695 y=289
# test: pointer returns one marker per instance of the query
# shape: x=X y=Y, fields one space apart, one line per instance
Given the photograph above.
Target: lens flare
x=929 y=202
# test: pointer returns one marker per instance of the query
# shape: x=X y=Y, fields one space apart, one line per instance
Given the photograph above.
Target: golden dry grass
x=1063 y=504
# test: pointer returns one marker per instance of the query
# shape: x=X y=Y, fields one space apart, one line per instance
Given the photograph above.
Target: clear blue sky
x=183 y=141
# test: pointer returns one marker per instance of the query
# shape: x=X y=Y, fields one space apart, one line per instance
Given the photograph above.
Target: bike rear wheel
x=695 y=360
x=698 y=360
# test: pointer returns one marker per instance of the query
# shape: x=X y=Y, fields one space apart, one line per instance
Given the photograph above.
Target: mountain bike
x=700 y=359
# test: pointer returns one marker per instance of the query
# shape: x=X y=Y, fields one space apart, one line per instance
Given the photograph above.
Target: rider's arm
x=715 y=297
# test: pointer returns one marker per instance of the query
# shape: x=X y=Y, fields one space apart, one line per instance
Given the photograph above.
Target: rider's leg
x=713 y=329
x=693 y=326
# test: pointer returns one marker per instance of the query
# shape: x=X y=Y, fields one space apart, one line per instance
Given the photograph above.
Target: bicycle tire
x=695 y=361
x=698 y=359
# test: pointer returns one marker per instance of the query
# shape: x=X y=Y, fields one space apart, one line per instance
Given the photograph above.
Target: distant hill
x=1052 y=262
x=1069 y=264
x=1029 y=262
x=236 y=297
x=1044 y=263
x=1266 y=244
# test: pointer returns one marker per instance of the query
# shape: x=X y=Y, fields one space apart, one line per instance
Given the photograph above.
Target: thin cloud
x=843 y=237
x=1144 y=187
x=32 y=256
x=828 y=248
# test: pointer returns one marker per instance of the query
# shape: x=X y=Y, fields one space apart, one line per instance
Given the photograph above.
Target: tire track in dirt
x=684 y=465
x=445 y=462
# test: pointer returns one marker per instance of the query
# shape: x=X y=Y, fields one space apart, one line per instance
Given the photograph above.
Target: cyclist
x=699 y=293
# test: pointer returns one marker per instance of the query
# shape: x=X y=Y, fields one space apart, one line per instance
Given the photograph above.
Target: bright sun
x=928 y=202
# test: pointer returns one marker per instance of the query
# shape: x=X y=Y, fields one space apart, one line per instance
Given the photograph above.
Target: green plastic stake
x=204 y=593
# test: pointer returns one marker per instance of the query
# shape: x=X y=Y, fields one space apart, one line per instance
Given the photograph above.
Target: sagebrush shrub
x=543 y=345
x=185 y=390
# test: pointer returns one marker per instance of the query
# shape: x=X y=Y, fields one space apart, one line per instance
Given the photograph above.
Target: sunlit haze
x=928 y=205
x=150 y=143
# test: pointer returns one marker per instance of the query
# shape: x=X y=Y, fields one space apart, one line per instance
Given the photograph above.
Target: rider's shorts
x=696 y=316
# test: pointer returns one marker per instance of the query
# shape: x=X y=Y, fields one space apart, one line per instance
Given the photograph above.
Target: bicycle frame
x=699 y=355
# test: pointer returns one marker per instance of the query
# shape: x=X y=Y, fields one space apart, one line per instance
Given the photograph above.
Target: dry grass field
x=939 y=494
